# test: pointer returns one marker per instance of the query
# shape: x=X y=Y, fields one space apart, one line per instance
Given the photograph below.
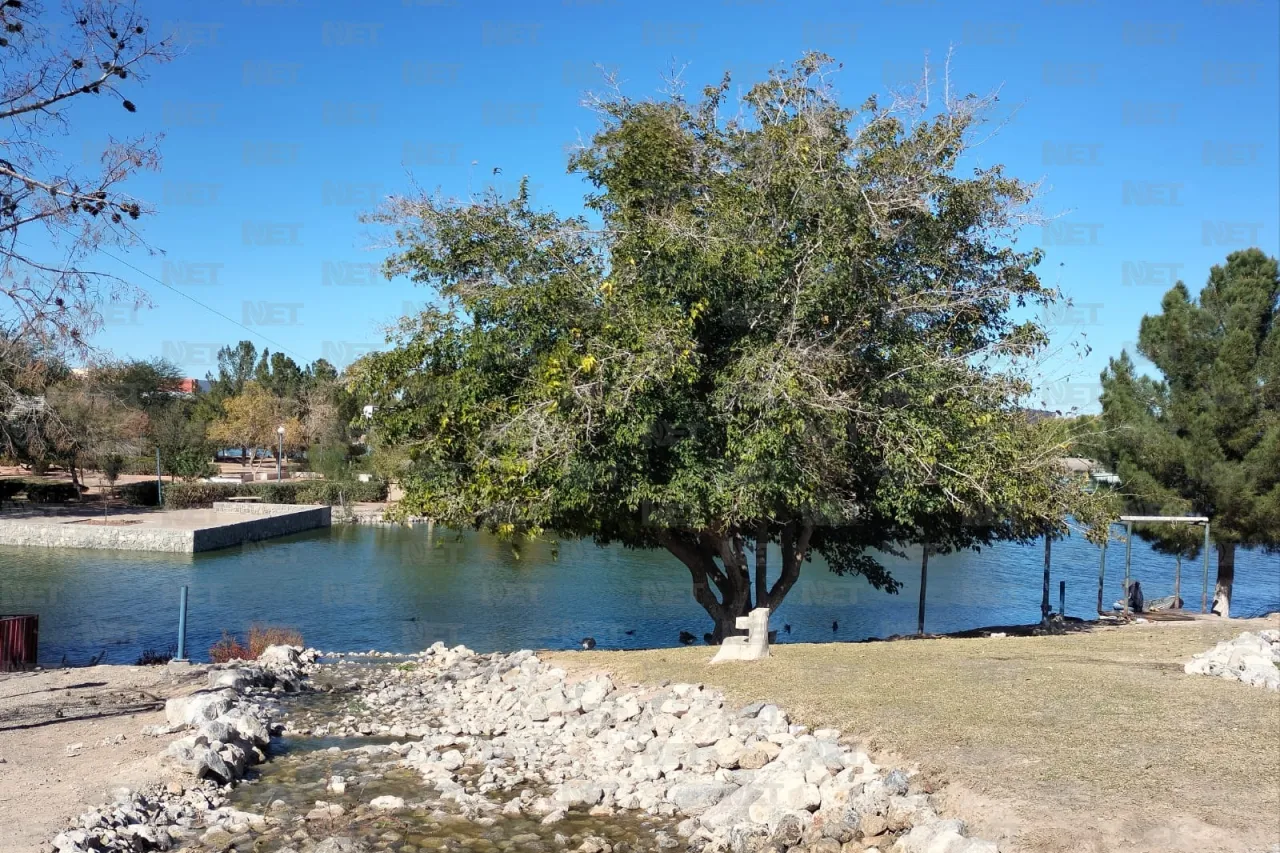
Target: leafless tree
x=56 y=209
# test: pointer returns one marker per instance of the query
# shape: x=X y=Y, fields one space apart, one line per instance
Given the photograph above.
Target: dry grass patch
x=1086 y=742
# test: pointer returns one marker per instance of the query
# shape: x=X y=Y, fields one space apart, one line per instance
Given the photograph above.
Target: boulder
x=694 y=798
x=280 y=656
x=943 y=836
x=578 y=792
x=340 y=844
x=199 y=707
x=195 y=756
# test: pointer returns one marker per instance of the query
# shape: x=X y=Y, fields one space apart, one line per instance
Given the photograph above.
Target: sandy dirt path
x=45 y=778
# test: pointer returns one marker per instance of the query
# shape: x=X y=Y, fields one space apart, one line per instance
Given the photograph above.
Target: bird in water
x=588 y=643
x=786 y=629
x=629 y=633
x=687 y=638
x=835 y=626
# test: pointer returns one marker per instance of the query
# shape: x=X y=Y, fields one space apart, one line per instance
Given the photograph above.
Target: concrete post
x=182 y=626
x=1128 y=553
x=1204 y=590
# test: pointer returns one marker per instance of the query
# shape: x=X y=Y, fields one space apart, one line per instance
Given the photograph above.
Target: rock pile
x=508 y=737
x=233 y=719
x=1251 y=658
x=160 y=817
x=232 y=728
x=741 y=780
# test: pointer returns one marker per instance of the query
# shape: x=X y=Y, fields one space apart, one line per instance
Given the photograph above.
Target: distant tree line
x=113 y=414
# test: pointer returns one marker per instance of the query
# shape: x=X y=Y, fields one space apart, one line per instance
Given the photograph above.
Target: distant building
x=191 y=386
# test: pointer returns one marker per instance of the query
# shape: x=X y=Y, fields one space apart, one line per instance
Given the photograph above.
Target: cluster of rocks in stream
x=506 y=741
x=234 y=719
x=1250 y=658
x=740 y=780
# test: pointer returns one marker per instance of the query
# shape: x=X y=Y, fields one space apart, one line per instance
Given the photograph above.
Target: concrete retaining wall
x=131 y=538
x=267 y=522
x=262 y=521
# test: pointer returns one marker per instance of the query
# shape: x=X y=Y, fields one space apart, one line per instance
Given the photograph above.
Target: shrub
x=260 y=636
x=330 y=460
x=192 y=463
x=151 y=657
x=139 y=494
x=10 y=488
x=228 y=648
x=194 y=495
x=139 y=465
x=51 y=491
x=202 y=495
x=350 y=491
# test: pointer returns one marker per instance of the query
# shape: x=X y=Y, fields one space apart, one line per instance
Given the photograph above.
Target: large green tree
x=795 y=325
x=1204 y=439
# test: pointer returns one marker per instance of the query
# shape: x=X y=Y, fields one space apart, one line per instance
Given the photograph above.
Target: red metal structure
x=18 y=639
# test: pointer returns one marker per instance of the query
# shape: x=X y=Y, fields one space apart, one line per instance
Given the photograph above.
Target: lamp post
x=280 y=454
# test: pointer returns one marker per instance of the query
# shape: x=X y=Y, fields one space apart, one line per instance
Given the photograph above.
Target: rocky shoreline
x=508 y=740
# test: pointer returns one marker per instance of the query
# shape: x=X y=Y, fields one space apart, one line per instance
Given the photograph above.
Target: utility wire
x=208 y=308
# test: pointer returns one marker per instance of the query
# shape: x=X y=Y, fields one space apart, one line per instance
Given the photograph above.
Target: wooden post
x=1044 y=598
x=924 y=578
x=1102 y=572
x=1062 y=599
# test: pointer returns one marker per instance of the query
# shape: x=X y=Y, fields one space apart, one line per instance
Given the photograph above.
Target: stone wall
x=125 y=538
x=280 y=520
x=261 y=521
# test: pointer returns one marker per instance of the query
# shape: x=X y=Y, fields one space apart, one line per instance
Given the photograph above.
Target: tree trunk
x=762 y=564
x=1226 y=576
x=724 y=589
x=1045 y=608
x=924 y=585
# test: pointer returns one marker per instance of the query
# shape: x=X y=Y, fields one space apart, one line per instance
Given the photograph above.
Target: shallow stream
x=296 y=795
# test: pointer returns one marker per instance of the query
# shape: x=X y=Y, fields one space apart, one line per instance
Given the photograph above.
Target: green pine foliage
x=1204 y=438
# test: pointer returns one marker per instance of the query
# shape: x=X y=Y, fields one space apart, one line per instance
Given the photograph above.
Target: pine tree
x=1205 y=438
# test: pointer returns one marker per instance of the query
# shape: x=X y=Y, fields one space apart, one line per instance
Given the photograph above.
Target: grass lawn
x=1092 y=741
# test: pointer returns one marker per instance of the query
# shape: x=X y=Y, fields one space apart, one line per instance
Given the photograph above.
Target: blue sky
x=1152 y=125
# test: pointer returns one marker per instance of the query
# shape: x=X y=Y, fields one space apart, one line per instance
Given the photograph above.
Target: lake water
x=398 y=589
